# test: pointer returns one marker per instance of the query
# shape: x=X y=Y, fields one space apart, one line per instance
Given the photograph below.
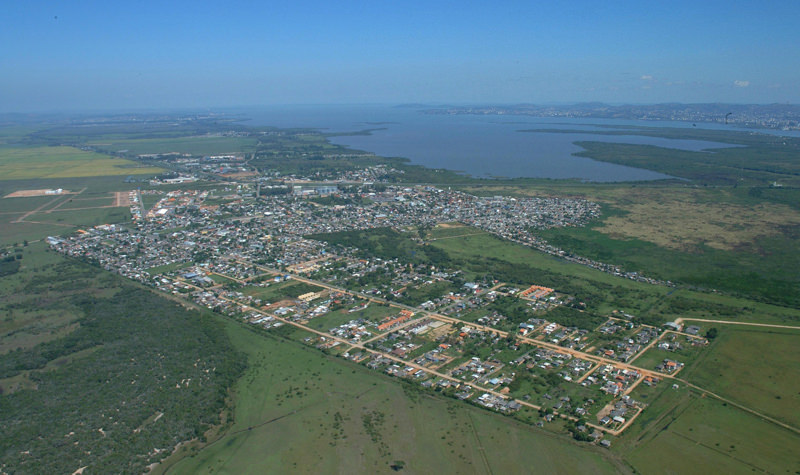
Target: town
x=270 y=259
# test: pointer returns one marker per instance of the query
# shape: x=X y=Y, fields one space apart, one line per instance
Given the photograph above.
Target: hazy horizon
x=102 y=56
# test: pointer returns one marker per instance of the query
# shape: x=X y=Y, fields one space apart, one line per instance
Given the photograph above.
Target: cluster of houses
x=354 y=331
x=187 y=246
x=619 y=411
x=498 y=403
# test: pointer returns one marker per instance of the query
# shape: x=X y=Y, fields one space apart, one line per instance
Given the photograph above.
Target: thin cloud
x=646 y=77
x=739 y=83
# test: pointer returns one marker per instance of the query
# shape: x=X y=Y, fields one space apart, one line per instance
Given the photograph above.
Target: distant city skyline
x=64 y=56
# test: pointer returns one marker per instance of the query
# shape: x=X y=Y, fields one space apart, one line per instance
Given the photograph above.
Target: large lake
x=479 y=145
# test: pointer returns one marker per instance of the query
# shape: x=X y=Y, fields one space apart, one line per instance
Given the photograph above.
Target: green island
x=195 y=295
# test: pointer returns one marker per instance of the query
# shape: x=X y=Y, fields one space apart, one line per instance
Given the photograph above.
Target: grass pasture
x=195 y=145
x=757 y=368
x=687 y=354
x=683 y=221
x=302 y=413
x=702 y=435
x=63 y=162
x=332 y=320
x=725 y=239
x=280 y=290
x=88 y=202
x=90 y=205
x=518 y=264
x=42 y=224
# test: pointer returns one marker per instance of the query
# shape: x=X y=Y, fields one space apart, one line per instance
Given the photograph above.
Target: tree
x=712 y=333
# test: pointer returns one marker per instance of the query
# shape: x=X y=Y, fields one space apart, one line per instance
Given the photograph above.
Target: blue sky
x=79 y=55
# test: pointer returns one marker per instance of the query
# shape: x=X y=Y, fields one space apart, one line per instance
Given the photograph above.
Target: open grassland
x=683 y=219
x=63 y=162
x=281 y=290
x=41 y=224
x=99 y=185
x=331 y=320
x=703 y=435
x=734 y=239
x=297 y=411
x=82 y=203
x=36 y=217
x=196 y=145
x=480 y=254
x=22 y=204
x=514 y=263
x=374 y=313
x=688 y=304
x=755 y=367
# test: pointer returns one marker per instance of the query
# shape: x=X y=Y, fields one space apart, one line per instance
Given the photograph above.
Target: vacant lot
x=63 y=162
x=281 y=290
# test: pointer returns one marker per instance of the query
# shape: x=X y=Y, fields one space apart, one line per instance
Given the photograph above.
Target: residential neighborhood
x=491 y=343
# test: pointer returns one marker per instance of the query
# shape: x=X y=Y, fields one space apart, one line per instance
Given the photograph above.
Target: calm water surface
x=482 y=146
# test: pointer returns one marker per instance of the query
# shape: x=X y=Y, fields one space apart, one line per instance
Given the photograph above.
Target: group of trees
x=138 y=373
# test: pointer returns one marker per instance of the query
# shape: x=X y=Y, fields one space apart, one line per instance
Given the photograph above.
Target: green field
x=756 y=367
x=280 y=290
x=80 y=203
x=748 y=270
x=514 y=263
x=299 y=412
x=687 y=354
x=196 y=145
x=166 y=268
x=57 y=222
x=704 y=435
x=57 y=215
x=63 y=162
